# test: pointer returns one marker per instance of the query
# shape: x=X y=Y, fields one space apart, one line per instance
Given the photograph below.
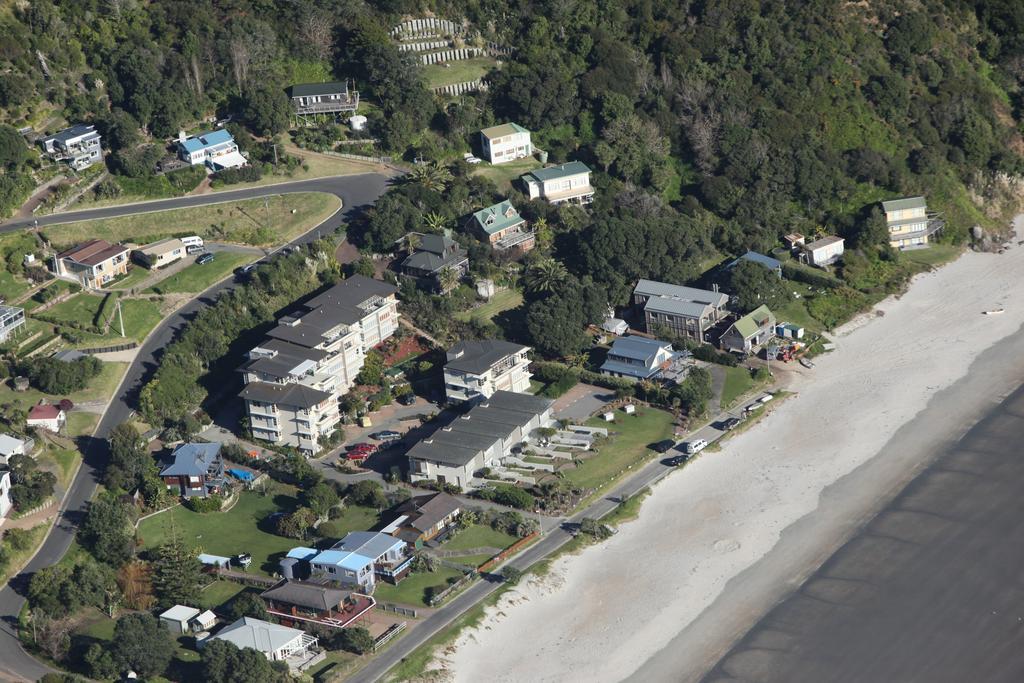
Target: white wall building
x=476 y=369
x=216 y=150
x=825 y=251
x=505 y=142
x=5 y=493
x=557 y=184
x=79 y=145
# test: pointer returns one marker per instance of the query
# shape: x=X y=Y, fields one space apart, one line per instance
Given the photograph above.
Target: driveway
x=582 y=401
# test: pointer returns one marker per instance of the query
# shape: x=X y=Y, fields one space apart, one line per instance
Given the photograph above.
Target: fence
x=427 y=27
x=458 y=585
x=110 y=349
x=424 y=46
x=461 y=88
x=42 y=506
x=483 y=550
x=511 y=550
x=247 y=579
x=384 y=638
x=388 y=607
x=450 y=55
x=360 y=157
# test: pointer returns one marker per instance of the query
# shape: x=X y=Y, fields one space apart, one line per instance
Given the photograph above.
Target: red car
x=363 y=449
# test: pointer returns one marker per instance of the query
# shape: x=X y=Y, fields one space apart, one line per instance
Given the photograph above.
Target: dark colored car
x=662 y=446
x=731 y=423
x=205 y=258
x=386 y=435
x=245 y=270
x=407 y=399
x=675 y=461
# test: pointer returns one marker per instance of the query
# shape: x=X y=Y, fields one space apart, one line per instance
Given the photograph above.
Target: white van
x=193 y=241
x=696 y=446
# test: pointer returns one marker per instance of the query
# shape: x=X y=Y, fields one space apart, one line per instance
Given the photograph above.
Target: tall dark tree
x=754 y=284
x=176 y=576
x=107 y=531
x=266 y=110
x=141 y=643
x=224 y=662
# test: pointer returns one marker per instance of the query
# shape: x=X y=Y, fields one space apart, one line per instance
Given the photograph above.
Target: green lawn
x=412 y=589
x=197 y=278
x=502 y=175
x=140 y=317
x=353 y=518
x=229 y=533
x=501 y=301
x=81 y=423
x=629 y=436
x=12 y=287
x=479 y=536
x=251 y=221
x=136 y=274
x=99 y=389
x=737 y=382
x=934 y=256
x=62 y=462
x=81 y=308
x=56 y=286
x=334 y=665
x=795 y=311
x=17 y=558
x=459 y=71
x=217 y=593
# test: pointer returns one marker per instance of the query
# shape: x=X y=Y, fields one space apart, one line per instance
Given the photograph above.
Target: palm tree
x=435 y=222
x=413 y=240
x=449 y=279
x=545 y=276
x=432 y=176
x=542 y=234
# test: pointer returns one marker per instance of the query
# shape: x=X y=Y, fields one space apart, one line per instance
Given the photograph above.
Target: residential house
x=316 y=602
x=502 y=227
x=204 y=621
x=162 y=253
x=197 y=470
x=176 y=619
x=910 y=223
x=277 y=643
x=749 y=331
x=78 y=145
x=46 y=416
x=425 y=518
x=794 y=241
x=557 y=184
x=506 y=142
x=432 y=258
x=12 y=445
x=11 y=318
x=361 y=558
x=682 y=311
x=616 y=326
x=215 y=149
x=312 y=101
x=483 y=437
x=295 y=376
x=93 y=264
x=824 y=252
x=474 y=370
x=5 y=493
x=768 y=262
x=635 y=357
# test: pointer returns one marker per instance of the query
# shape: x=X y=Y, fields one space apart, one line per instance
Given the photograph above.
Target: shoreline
x=736 y=533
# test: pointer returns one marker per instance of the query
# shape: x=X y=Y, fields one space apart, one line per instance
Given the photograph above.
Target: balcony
x=518 y=238
x=349 y=103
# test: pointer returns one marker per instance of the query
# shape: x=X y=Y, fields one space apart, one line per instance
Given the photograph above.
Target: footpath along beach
x=719 y=543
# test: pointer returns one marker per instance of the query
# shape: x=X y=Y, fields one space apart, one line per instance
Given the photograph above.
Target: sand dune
x=603 y=614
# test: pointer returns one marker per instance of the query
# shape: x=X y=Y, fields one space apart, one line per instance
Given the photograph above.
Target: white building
x=481 y=438
x=295 y=376
x=557 y=184
x=506 y=142
x=216 y=150
x=161 y=253
x=637 y=358
x=277 y=643
x=11 y=318
x=12 y=445
x=79 y=145
x=5 y=493
x=176 y=619
x=46 y=416
x=361 y=558
x=825 y=251
x=476 y=369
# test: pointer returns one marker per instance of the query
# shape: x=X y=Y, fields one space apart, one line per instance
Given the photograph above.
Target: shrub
x=232 y=176
x=507 y=494
x=211 y=503
x=58 y=377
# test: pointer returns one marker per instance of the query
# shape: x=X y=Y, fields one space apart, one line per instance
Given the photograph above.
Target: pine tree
x=176 y=578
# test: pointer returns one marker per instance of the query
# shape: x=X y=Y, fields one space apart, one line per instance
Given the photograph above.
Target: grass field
x=136 y=274
x=217 y=593
x=80 y=423
x=412 y=590
x=934 y=256
x=58 y=287
x=319 y=166
x=11 y=287
x=459 y=71
x=99 y=389
x=627 y=445
x=229 y=533
x=737 y=382
x=248 y=221
x=140 y=316
x=81 y=308
x=19 y=557
x=196 y=278
x=61 y=461
x=353 y=518
x=479 y=536
x=503 y=174
x=502 y=301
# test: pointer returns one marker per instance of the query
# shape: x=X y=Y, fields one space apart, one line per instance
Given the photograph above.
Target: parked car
x=243 y=559
x=695 y=446
x=386 y=435
x=731 y=423
x=663 y=446
x=193 y=248
x=245 y=270
x=675 y=460
x=363 y=446
x=407 y=399
x=204 y=258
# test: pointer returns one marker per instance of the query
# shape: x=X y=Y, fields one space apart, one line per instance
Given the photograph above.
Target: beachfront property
x=11 y=318
x=5 y=493
x=196 y=470
x=749 y=331
x=295 y=376
x=161 y=253
x=505 y=142
x=768 y=262
x=47 y=416
x=560 y=184
x=483 y=437
x=682 y=311
x=277 y=643
x=502 y=227
x=298 y=601
x=823 y=252
x=637 y=358
x=436 y=263
x=93 y=264
x=425 y=518
x=474 y=370
x=910 y=223
x=314 y=102
x=214 y=149
x=80 y=146
x=359 y=560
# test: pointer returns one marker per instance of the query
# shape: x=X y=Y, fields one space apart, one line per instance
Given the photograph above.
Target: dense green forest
x=713 y=127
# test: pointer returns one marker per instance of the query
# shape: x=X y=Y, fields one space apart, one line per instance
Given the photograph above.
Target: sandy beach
x=717 y=544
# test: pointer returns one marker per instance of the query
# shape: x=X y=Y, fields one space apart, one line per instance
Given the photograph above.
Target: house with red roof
x=46 y=416
x=94 y=263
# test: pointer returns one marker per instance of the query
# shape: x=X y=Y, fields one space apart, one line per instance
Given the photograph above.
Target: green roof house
x=506 y=142
x=750 y=331
x=557 y=184
x=502 y=227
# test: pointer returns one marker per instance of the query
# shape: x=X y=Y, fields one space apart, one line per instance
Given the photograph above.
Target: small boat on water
x=806 y=363
x=995 y=311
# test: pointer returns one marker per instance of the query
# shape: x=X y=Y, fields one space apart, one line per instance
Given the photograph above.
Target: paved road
x=354 y=191
x=930 y=590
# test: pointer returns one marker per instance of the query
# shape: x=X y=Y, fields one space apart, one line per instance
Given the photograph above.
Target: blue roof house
x=754 y=257
x=637 y=358
x=362 y=557
x=216 y=150
x=197 y=470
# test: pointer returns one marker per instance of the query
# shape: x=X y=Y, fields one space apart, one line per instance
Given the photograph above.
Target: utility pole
x=120 y=317
x=275 y=154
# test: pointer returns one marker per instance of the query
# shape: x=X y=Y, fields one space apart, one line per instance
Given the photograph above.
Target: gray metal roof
x=638 y=348
x=823 y=242
x=258 y=634
x=369 y=544
x=313 y=89
x=434 y=253
x=424 y=512
x=904 y=204
x=192 y=460
x=356 y=290
x=75 y=131
x=686 y=309
x=754 y=257
x=287 y=395
x=555 y=172
x=477 y=357
x=652 y=288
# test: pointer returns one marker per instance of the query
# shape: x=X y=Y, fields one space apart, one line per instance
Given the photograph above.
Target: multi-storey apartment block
x=476 y=369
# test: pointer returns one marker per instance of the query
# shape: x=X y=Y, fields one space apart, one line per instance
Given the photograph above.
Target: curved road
x=354 y=191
